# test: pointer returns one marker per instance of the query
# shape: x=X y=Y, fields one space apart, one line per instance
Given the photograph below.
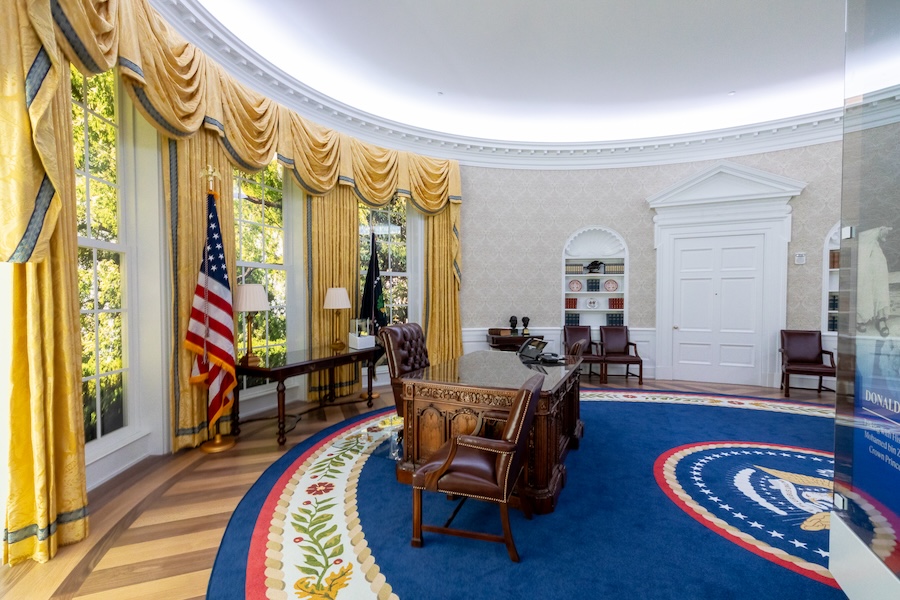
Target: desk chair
x=404 y=346
x=484 y=469
x=802 y=354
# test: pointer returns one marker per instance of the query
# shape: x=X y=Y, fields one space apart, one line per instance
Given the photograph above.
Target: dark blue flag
x=372 y=305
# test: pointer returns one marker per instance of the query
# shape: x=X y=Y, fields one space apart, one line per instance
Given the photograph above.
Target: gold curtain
x=47 y=504
x=333 y=261
x=186 y=190
x=443 y=334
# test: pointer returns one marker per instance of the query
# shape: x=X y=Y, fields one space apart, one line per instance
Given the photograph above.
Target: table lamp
x=250 y=298
x=336 y=299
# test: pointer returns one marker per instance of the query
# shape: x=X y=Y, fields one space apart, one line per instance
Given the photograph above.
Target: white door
x=717 y=309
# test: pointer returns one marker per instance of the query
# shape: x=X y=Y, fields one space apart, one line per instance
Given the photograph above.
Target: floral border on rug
x=316 y=548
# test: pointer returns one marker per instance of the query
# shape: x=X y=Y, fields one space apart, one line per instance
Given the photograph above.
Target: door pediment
x=730 y=187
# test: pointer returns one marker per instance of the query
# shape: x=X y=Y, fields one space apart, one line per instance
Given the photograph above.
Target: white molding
x=197 y=25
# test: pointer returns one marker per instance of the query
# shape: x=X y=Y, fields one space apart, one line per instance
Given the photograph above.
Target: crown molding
x=197 y=25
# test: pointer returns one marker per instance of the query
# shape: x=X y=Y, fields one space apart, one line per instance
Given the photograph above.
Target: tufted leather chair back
x=404 y=346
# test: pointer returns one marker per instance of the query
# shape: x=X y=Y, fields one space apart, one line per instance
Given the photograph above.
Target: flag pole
x=219 y=442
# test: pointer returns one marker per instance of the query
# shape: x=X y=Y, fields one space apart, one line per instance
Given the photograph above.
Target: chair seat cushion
x=809 y=369
x=621 y=359
x=473 y=472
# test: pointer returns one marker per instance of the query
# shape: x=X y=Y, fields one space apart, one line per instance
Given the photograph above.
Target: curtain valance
x=179 y=90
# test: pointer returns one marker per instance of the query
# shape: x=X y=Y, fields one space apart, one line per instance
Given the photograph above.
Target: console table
x=451 y=398
x=301 y=362
x=509 y=343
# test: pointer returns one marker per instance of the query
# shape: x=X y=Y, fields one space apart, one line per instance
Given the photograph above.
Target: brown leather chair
x=802 y=354
x=485 y=469
x=590 y=351
x=616 y=349
x=404 y=346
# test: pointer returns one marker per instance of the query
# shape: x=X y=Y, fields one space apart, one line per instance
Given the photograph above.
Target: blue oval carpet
x=669 y=496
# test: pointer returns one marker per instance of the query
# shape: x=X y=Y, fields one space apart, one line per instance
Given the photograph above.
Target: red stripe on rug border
x=658 y=474
x=256 y=556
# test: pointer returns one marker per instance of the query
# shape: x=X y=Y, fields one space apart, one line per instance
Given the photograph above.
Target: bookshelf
x=831 y=264
x=595 y=279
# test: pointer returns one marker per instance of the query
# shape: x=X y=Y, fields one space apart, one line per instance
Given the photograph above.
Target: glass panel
x=101 y=94
x=78 y=136
x=277 y=355
x=398 y=257
x=110 y=332
x=274 y=213
x=104 y=212
x=89 y=409
x=867 y=420
x=77 y=80
x=252 y=246
x=112 y=403
x=274 y=246
x=277 y=327
x=109 y=279
x=81 y=205
x=86 y=278
x=88 y=341
x=102 y=147
x=277 y=287
x=252 y=204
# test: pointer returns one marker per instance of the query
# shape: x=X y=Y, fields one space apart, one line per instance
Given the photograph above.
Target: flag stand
x=220 y=443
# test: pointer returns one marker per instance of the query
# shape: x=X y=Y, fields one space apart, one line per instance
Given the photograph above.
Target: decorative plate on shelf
x=575 y=285
x=592 y=303
x=610 y=285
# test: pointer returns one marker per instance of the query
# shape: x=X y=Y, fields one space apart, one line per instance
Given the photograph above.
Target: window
x=100 y=253
x=389 y=225
x=259 y=223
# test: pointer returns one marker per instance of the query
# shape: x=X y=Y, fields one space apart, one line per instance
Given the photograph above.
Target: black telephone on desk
x=531 y=352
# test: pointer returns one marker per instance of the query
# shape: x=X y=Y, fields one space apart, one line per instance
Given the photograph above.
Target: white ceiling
x=556 y=71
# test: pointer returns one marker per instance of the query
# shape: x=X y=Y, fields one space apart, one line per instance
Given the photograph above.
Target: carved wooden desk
x=450 y=398
x=509 y=343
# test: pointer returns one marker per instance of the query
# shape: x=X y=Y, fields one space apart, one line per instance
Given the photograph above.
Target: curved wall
x=515 y=223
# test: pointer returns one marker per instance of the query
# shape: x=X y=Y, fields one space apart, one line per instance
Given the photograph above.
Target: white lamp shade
x=251 y=297
x=337 y=298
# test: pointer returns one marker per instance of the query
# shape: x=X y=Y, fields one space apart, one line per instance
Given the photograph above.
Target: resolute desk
x=449 y=399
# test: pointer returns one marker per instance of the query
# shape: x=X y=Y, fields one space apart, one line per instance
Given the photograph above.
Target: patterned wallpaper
x=515 y=224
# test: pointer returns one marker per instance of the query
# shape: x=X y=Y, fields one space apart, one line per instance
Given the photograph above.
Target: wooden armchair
x=485 y=469
x=616 y=349
x=590 y=350
x=802 y=354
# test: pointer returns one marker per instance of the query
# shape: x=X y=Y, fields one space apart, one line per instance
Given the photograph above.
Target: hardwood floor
x=155 y=530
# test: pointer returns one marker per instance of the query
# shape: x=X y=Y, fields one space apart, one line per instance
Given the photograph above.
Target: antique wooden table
x=300 y=362
x=449 y=399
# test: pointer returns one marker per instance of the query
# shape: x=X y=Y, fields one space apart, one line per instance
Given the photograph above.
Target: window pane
x=252 y=205
x=277 y=287
x=104 y=212
x=398 y=257
x=274 y=246
x=78 y=136
x=86 y=278
x=77 y=80
x=112 y=414
x=101 y=94
x=89 y=407
x=110 y=332
x=102 y=144
x=109 y=279
x=277 y=356
x=252 y=243
x=81 y=205
x=88 y=341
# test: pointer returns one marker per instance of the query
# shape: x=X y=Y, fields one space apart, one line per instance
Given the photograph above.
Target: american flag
x=210 y=332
